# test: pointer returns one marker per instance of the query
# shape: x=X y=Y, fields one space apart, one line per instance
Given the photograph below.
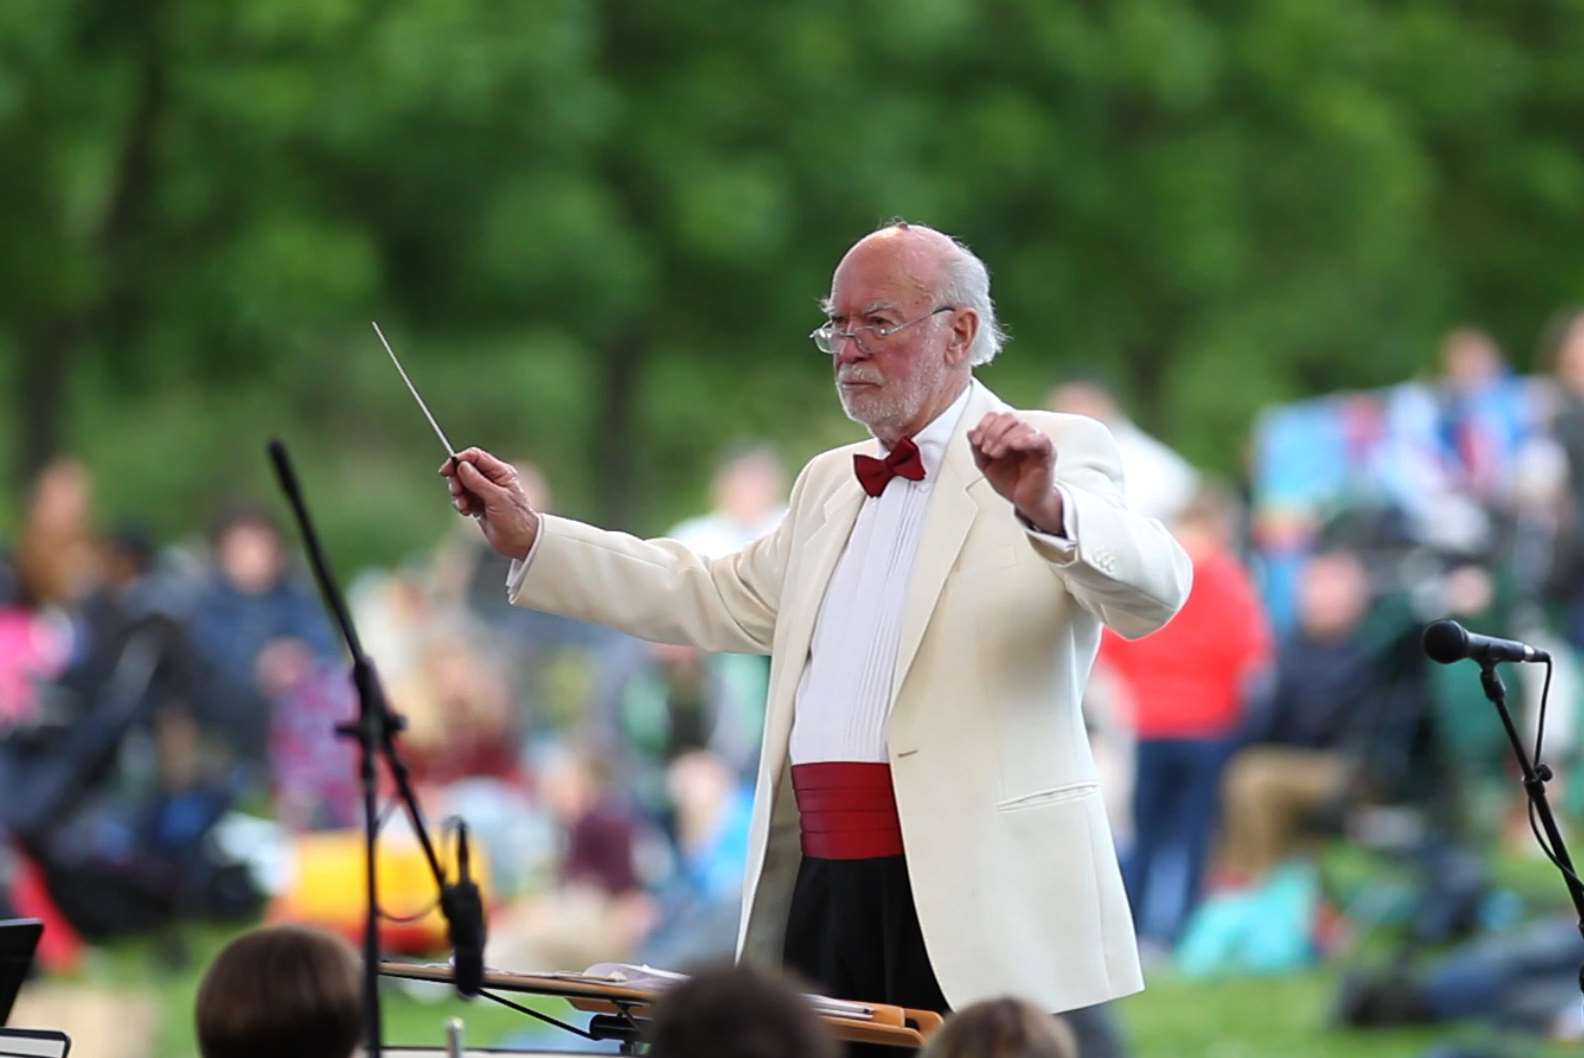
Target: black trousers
x=853 y=933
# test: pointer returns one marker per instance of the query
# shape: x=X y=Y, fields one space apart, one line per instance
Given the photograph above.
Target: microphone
x=1448 y=641
x=464 y=912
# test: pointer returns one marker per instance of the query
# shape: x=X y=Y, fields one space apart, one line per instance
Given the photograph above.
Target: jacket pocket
x=1054 y=795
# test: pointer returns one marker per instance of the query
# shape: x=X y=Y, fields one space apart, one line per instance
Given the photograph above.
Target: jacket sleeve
x=658 y=589
x=1127 y=570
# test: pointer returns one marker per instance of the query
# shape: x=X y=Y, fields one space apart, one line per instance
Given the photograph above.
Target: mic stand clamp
x=1534 y=779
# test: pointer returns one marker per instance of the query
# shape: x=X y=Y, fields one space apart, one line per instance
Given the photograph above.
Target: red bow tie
x=902 y=461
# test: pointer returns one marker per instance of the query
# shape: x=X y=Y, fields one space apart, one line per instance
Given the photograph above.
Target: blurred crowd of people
x=1291 y=704
x=150 y=697
x=168 y=747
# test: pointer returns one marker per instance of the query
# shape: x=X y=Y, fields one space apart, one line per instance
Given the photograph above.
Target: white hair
x=967 y=286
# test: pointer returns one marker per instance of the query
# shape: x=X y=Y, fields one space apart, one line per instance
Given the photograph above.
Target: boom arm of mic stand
x=1534 y=780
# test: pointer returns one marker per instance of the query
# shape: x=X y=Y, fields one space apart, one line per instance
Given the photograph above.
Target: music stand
x=19 y=939
x=621 y=1010
x=34 y=1043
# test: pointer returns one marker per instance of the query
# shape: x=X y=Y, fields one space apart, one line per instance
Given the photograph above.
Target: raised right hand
x=487 y=489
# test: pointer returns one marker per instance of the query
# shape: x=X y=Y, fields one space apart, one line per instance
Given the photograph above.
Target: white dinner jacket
x=1009 y=853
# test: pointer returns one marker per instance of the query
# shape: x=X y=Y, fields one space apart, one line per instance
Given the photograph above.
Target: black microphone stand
x=375 y=732
x=1534 y=779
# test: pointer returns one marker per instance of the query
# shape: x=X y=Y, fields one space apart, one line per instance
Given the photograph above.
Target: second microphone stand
x=1535 y=776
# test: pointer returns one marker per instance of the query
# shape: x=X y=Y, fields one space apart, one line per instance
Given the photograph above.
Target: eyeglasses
x=827 y=339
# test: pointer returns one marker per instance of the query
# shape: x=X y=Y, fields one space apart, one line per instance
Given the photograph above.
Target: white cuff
x=1064 y=542
x=519 y=566
x=1065 y=537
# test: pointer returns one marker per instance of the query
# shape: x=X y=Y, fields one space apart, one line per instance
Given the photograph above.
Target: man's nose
x=848 y=349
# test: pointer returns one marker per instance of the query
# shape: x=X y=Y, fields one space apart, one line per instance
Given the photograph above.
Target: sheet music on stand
x=651 y=979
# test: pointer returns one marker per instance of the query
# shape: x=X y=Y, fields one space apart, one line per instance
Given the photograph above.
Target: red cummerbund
x=848 y=810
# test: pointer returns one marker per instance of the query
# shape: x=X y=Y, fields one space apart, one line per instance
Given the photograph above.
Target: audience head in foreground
x=742 y=1011
x=281 y=990
x=1002 y=1028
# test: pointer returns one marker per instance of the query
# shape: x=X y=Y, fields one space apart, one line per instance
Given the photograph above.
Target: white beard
x=890 y=407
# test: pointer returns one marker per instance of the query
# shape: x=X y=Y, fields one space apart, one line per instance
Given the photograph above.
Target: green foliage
x=597 y=232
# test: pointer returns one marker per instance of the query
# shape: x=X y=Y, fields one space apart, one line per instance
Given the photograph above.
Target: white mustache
x=856 y=375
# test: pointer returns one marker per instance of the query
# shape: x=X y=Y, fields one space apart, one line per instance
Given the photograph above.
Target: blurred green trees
x=596 y=232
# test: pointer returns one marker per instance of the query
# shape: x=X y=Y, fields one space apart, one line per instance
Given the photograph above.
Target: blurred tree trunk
x=41 y=394
x=617 y=432
x=1148 y=363
x=49 y=349
x=127 y=221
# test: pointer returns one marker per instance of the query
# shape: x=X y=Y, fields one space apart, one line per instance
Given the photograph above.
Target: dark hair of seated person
x=1002 y=1028
x=281 y=991
x=742 y=1011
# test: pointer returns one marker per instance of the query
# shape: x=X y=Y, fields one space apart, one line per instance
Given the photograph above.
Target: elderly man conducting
x=927 y=829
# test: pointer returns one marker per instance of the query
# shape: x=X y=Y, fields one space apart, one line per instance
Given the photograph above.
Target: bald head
x=916 y=254
x=940 y=268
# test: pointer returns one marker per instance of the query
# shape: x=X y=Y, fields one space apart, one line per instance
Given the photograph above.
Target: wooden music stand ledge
x=622 y=1009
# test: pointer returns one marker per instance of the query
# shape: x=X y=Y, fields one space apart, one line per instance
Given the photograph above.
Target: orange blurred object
x=327 y=887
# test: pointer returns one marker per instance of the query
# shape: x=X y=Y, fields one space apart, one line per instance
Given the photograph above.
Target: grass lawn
x=1275 y=1017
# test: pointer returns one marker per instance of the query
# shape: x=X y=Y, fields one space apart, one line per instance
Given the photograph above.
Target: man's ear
x=965 y=325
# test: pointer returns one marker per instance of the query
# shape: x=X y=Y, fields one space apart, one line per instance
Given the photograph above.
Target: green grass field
x=1281 y=1017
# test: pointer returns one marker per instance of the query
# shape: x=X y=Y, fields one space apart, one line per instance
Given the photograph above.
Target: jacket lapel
x=823 y=548
x=951 y=513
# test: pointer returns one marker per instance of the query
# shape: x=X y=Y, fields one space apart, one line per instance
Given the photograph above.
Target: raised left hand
x=1019 y=461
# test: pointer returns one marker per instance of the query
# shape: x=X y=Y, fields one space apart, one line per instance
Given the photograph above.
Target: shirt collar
x=933 y=439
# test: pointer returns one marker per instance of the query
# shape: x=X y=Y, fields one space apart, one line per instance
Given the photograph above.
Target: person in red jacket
x=1184 y=689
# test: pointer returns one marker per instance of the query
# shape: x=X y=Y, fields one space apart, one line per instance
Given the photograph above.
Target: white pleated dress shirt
x=844 y=694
